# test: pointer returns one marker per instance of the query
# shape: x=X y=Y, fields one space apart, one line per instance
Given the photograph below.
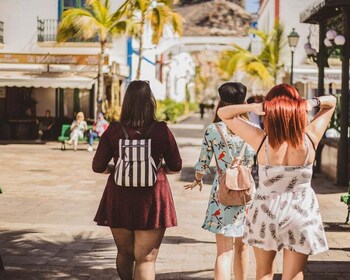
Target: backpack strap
x=124 y=131
x=223 y=139
x=244 y=147
x=225 y=142
x=149 y=130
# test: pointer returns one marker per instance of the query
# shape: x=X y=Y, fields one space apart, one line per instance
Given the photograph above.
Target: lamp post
x=293 y=39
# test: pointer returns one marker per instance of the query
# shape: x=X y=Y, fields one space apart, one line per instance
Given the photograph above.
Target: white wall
x=290 y=18
x=20 y=22
x=20 y=29
x=266 y=16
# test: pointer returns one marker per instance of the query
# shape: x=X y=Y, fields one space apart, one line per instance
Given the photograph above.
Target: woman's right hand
x=258 y=109
x=194 y=184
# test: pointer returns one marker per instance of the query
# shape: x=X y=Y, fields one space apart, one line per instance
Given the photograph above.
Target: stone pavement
x=50 y=197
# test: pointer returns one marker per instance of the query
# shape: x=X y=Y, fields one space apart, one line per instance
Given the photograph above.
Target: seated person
x=98 y=128
x=77 y=128
x=45 y=126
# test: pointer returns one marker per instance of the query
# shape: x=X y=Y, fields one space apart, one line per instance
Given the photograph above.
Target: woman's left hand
x=193 y=185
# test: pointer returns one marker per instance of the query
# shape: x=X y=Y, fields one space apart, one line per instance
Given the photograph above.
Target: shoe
x=70 y=142
x=90 y=148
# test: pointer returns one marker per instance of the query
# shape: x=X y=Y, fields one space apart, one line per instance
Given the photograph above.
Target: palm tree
x=264 y=66
x=158 y=14
x=95 y=21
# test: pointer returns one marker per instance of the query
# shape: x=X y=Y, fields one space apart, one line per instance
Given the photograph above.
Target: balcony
x=47 y=32
x=1 y=32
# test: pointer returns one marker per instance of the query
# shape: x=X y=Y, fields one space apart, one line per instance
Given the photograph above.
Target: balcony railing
x=1 y=32
x=47 y=32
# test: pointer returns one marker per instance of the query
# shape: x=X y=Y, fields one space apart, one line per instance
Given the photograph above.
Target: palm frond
x=72 y=22
x=177 y=22
x=132 y=28
x=257 y=69
x=120 y=13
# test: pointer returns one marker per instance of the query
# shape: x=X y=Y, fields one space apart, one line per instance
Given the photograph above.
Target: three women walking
x=283 y=215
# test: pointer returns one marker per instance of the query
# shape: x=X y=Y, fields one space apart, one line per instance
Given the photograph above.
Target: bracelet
x=317 y=100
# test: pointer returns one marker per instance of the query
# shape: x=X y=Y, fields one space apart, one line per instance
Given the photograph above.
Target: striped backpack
x=135 y=166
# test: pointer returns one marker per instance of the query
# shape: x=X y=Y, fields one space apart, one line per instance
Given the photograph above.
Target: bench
x=65 y=133
x=346 y=199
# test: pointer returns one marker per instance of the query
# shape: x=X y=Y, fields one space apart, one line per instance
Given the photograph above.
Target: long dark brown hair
x=139 y=105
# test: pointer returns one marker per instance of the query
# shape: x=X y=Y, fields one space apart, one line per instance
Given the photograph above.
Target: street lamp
x=293 y=39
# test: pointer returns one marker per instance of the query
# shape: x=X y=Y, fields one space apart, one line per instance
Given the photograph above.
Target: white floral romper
x=285 y=211
x=221 y=219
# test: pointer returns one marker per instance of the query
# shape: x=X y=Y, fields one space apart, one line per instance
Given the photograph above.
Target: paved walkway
x=50 y=197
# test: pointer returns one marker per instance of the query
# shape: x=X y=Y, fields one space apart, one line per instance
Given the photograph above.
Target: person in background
x=285 y=213
x=201 y=109
x=45 y=126
x=254 y=118
x=77 y=128
x=97 y=130
x=226 y=222
x=137 y=216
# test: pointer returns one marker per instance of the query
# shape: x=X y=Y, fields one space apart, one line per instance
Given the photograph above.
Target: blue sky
x=252 y=5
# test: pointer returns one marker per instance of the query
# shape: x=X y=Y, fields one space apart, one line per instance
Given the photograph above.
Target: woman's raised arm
x=321 y=120
x=248 y=132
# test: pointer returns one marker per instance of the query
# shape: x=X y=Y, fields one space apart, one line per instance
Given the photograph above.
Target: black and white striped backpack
x=135 y=166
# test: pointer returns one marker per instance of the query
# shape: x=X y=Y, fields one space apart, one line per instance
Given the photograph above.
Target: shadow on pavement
x=187 y=175
x=30 y=255
x=195 y=274
x=180 y=239
x=336 y=227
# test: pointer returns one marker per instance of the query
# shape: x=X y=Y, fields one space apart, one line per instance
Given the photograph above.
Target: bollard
x=1 y=263
x=346 y=200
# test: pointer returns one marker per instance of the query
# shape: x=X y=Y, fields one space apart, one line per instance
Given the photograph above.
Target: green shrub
x=170 y=110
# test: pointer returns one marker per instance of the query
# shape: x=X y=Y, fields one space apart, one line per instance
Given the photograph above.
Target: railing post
x=40 y=30
x=1 y=32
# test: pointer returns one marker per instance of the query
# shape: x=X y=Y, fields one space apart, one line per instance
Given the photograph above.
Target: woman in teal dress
x=227 y=222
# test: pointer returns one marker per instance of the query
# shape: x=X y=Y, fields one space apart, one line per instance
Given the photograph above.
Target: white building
x=33 y=66
x=305 y=72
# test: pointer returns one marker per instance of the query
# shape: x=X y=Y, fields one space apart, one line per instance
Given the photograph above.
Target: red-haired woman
x=285 y=212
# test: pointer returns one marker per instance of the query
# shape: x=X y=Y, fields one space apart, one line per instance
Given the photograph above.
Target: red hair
x=285 y=116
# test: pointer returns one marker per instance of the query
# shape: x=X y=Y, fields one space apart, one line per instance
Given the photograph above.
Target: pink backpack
x=236 y=185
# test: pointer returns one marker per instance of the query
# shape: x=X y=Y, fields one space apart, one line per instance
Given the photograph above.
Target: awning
x=305 y=75
x=45 y=80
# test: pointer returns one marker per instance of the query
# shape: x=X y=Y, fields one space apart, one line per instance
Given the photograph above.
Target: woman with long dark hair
x=226 y=222
x=285 y=212
x=137 y=216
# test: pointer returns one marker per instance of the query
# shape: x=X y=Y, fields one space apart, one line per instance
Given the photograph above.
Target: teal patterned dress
x=221 y=219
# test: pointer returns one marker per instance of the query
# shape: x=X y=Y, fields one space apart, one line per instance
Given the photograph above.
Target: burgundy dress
x=137 y=208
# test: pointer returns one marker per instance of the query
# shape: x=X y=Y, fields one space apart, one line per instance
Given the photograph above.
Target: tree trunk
x=100 y=92
x=138 y=73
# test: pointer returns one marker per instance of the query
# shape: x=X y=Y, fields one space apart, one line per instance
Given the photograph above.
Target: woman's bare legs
x=293 y=265
x=124 y=239
x=264 y=263
x=147 y=243
x=224 y=253
x=240 y=264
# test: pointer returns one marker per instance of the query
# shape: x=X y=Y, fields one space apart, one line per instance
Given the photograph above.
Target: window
x=69 y=4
